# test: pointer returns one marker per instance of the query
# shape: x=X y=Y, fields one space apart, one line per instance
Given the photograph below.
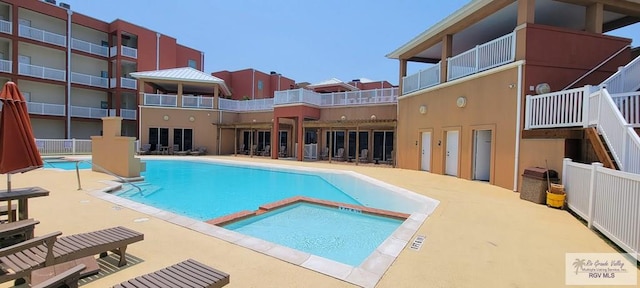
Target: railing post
x=477 y=57
x=419 y=76
x=623 y=156
x=585 y=105
x=527 y=113
x=592 y=190
x=73 y=146
x=565 y=164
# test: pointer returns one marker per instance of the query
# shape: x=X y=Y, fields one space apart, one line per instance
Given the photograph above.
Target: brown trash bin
x=534 y=184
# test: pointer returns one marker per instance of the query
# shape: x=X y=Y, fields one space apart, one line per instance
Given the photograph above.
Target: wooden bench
x=5 y=211
x=15 y=232
x=189 y=273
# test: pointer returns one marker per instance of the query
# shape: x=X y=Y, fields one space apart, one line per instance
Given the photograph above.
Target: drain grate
x=417 y=242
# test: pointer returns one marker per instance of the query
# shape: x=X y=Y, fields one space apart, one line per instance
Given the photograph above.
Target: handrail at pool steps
x=105 y=170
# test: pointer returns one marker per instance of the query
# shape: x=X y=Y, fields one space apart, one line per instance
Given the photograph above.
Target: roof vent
x=65 y=5
x=355 y=80
x=51 y=1
x=273 y=73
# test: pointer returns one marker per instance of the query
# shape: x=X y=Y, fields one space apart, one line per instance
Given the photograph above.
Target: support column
x=357 y=144
x=594 y=18
x=526 y=11
x=300 y=136
x=179 y=97
x=447 y=51
x=275 y=138
x=403 y=72
x=216 y=95
x=235 y=141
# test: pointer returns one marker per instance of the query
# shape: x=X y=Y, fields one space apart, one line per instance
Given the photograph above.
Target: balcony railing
x=128 y=83
x=128 y=114
x=42 y=72
x=88 y=112
x=89 y=80
x=421 y=80
x=5 y=66
x=246 y=105
x=125 y=51
x=6 y=27
x=89 y=47
x=361 y=97
x=197 y=102
x=165 y=100
x=42 y=35
x=46 y=109
x=483 y=57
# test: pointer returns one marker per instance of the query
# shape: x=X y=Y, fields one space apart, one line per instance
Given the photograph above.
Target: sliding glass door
x=382 y=145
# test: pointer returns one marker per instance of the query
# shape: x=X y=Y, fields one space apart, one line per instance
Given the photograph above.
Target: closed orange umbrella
x=18 y=151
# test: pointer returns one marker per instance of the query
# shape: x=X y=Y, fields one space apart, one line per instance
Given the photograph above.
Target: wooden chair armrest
x=69 y=277
x=13 y=226
x=48 y=239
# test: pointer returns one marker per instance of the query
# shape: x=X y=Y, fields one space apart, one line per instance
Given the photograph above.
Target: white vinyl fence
x=63 y=146
x=607 y=199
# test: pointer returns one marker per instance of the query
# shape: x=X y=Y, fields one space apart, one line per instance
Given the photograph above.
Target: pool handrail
x=105 y=171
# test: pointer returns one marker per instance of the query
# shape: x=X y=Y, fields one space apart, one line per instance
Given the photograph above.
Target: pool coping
x=367 y=274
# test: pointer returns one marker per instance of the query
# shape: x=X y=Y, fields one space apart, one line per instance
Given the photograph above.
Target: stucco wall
x=204 y=132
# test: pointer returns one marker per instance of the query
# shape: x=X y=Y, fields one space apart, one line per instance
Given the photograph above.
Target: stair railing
x=105 y=170
x=605 y=61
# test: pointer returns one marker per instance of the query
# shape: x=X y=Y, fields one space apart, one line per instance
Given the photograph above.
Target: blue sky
x=308 y=41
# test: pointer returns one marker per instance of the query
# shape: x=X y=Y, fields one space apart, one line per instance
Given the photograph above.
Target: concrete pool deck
x=479 y=236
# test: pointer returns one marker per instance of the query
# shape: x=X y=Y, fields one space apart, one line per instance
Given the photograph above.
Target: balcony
x=6 y=27
x=46 y=109
x=90 y=48
x=42 y=36
x=129 y=114
x=89 y=80
x=197 y=102
x=352 y=98
x=42 y=72
x=164 y=100
x=246 y=105
x=5 y=66
x=88 y=112
x=124 y=83
x=124 y=51
x=421 y=80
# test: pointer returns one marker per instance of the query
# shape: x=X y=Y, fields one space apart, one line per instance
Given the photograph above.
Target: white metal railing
x=483 y=57
x=130 y=114
x=42 y=72
x=607 y=199
x=128 y=83
x=629 y=106
x=6 y=27
x=89 y=80
x=189 y=101
x=165 y=100
x=113 y=51
x=63 y=146
x=558 y=109
x=88 y=112
x=421 y=80
x=625 y=79
x=360 y=97
x=622 y=140
x=245 y=105
x=42 y=35
x=129 y=52
x=6 y=66
x=311 y=151
x=46 y=109
x=89 y=47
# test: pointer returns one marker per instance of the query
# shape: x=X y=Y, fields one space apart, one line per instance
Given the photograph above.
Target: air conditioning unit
x=51 y=1
x=64 y=5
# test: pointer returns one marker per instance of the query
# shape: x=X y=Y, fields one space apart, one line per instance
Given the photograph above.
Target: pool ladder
x=105 y=171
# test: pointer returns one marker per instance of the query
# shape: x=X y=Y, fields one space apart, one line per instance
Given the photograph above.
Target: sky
x=307 y=41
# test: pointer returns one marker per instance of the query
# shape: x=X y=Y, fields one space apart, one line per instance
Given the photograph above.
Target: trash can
x=534 y=184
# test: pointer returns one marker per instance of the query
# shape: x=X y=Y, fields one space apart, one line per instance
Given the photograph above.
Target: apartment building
x=251 y=84
x=480 y=108
x=74 y=69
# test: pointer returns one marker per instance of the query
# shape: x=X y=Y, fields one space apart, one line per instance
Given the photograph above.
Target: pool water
x=64 y=164
x=206 y=190
x=343 y=236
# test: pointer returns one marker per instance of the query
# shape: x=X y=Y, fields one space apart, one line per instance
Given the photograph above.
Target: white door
x=482 y=155
x=426 y=151
x=451 y=161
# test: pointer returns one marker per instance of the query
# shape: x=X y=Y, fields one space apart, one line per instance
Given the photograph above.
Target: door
x=451 y=161
x=426 y=151
x=482 y=155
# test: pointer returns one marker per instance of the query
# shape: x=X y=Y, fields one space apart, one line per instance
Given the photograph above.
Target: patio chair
x=283 y=151
x=242 y=149
x=189 y=273
x=174 y=149
x=364 y=156
x=254 y=149
x=266 y=151
x=324 y=155
x=200 y=151
x=19 y=260
x=145 y=149
x=340 y=155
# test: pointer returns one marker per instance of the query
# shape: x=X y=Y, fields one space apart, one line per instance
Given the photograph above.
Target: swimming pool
x=341 y=235
x=64 y=164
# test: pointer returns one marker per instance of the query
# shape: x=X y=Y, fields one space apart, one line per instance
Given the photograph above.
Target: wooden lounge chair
x=19 y=260
x=67 y=278
x=15 y=232
x=189 y=273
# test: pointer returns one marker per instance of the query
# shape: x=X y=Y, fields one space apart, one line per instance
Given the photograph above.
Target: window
x=193 y=64
x=382 y=145
x=183 y=138
x=364 y=143
x=260 y=84
x=337 y=137
x=158 y=137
